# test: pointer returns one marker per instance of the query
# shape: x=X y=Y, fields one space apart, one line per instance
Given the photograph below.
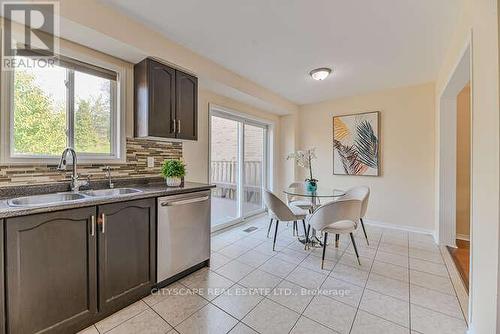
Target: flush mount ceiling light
x=320 y=73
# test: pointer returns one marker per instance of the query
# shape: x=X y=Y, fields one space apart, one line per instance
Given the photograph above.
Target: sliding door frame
x=242 y=119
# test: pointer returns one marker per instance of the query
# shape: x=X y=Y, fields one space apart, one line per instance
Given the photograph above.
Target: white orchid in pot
x=304 y=159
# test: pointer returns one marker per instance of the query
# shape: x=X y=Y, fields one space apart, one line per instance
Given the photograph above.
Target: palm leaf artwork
x=355 y=144
x=350 y=158
x=340 y=129
x=366 y=144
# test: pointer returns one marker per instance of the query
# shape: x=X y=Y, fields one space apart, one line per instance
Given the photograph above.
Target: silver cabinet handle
x=92 y=226
x=175 y=126
x=178 y=126
x=185 y=201
x=103 y=222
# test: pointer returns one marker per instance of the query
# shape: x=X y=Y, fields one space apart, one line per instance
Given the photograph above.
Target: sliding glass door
x=253 y=168
x=238 y=167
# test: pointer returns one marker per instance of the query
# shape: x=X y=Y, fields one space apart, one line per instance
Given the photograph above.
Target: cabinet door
x=186 y=106
x=2 y=279
x=51 y=271
x=162 y=100
x=127 y=248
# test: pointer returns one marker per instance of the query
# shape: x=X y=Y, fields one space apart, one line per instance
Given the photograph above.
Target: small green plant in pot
x=173 y=171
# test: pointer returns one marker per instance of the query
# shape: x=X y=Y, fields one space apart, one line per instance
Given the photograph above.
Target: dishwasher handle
x=185 y=201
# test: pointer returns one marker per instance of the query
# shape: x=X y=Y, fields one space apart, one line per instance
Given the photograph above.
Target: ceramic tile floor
x=402 y=286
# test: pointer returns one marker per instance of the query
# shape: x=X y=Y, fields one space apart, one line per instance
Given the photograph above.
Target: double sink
x=62 y=198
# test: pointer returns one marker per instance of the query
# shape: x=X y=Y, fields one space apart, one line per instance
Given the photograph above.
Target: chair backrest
x=332 y=212
x=296 y=184
x=361 y=193
x=276 y=206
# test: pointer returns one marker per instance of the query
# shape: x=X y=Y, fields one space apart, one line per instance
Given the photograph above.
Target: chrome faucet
x=108 y=172
x=75 y=182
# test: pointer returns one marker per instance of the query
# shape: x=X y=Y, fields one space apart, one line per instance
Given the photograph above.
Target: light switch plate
x=151 y=162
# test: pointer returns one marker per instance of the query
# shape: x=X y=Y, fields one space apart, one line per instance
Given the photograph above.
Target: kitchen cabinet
x=127 y=248
x=166 y=102
x=186 y=106
x=154 y=100
x=51 y=281
x=68 y=269
x=2 y=279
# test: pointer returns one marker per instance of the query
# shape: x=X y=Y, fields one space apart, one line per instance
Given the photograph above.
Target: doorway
x=461 y=253
x=454 y=178
x=238 y=167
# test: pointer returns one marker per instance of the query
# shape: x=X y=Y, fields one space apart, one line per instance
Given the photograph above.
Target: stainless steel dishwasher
x=183 y=233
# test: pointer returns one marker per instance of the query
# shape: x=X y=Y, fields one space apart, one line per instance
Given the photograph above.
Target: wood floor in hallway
x=461 y=257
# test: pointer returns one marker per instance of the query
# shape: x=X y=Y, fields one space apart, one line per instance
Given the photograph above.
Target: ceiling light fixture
x=320 y=73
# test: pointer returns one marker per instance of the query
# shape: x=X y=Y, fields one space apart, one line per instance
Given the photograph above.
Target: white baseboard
x=463 y=237
x=399 y=227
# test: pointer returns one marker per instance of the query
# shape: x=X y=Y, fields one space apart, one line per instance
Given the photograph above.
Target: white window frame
x=118 y=137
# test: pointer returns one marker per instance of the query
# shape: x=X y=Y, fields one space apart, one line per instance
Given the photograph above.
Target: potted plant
x=304 y=159
x=173 y=171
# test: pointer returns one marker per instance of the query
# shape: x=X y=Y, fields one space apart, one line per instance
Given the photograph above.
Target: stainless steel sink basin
x=48 y=199
x=111 y=192
x=61 y=198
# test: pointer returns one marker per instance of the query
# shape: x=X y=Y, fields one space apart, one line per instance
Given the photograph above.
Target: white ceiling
x=370 y=44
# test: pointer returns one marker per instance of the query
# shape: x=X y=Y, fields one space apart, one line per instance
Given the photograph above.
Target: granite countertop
x=148 y=190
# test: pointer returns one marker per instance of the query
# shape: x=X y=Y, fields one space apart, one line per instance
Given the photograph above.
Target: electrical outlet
x=151 y=162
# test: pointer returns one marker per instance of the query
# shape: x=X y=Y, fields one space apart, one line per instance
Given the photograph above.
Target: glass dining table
x=324 y=194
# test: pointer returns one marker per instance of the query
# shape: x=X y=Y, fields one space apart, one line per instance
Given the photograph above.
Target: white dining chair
x=337 y=217
x=361 y=193
x=279 y=211
x=305 y=204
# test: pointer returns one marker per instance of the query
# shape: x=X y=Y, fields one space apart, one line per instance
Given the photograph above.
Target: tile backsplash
x=138 y=150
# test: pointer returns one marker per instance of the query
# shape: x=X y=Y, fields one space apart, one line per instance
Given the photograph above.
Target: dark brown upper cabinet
x=186 y=105
x=166 y=102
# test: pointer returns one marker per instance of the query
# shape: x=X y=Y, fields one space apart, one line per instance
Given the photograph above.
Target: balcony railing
x=225 y=177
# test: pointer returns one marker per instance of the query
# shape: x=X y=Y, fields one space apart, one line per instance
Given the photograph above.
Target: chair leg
x=324 y=249
x=275 y=234
x=337 y=237
x=364 y=230
x=307 y=237
x=269 y=228
x=304 y=226
x=355 y=248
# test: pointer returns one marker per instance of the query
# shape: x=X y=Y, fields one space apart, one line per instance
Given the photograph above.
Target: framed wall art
x=356 y=144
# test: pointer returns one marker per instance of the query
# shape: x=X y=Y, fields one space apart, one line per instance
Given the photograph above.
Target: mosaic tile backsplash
x=138 y=150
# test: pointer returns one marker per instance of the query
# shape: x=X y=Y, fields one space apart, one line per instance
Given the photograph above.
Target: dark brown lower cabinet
x=127 y=249
x=51 y=282
x=2 y=280
x=68 y=269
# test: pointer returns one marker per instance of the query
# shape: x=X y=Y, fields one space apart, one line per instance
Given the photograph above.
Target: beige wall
x=288 y=144
x=463 y=163
x=403 y=194
x=479 y=23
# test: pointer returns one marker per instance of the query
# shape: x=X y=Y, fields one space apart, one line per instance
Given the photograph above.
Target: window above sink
x=77 y=103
